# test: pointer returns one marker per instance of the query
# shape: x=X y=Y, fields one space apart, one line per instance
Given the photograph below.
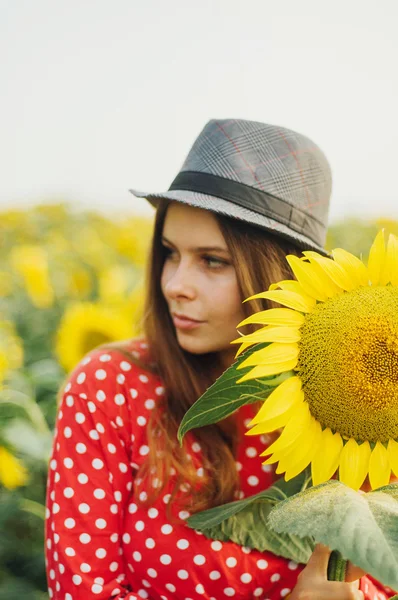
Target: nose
x=179 y=280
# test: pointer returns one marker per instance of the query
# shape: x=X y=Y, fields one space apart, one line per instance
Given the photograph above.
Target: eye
x=168 y=252
x=213 y=262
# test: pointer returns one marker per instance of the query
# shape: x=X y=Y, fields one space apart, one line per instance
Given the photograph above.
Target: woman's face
x=199 y=282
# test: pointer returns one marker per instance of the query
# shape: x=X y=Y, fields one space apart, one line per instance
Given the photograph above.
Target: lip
x=182 y=322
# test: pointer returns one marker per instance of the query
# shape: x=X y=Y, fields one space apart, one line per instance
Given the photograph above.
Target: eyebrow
x=200 y=248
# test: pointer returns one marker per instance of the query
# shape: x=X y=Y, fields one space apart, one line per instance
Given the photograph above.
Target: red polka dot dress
x=101 y=543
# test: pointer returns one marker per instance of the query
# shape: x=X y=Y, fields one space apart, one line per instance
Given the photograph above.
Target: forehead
x=188 y=224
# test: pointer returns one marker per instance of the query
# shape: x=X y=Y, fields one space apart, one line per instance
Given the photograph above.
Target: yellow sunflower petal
x=286 y=395
x=301 y=458
x=269 y=425
x=330 y=287
x=377 y=257
x=352 y=265
x=333 y=270
x=268 y=370
x=300 y=302
x=277 y=416
x=392 y=449
x=300 y=418
x=274 y=458
x=295 y=452
x=274 y=353
x=379 y=467
x=354 y=463
x=326 y=461
x=242 y=349
x=307 y=278
x=271 y=334
x=289 y=285
x=281 y=466
x=243 y=346
x=390 y=271
x=285 y=317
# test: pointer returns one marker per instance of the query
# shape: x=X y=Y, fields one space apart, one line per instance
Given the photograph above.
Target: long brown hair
x=259 y=260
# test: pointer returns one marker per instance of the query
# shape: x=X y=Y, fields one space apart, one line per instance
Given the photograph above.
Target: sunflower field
x=69 y=281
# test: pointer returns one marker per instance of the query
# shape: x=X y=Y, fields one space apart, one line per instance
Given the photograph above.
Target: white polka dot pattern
x=99 y=444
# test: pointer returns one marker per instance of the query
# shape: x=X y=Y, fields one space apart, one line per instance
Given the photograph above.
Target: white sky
x=98 y=96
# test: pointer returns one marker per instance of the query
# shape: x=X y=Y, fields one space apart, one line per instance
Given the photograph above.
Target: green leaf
x=29 y=405
x=245 y=522
x=35 y=508
x=225 y=395
x=28 y=441
x=45 y=373
x=362 y=527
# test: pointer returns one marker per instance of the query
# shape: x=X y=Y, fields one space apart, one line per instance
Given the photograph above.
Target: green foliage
x=362 y=527
x=21 y=545
x=245 y=522
x=26 y=432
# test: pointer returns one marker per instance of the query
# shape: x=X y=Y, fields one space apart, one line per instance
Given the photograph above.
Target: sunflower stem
x=337 y=567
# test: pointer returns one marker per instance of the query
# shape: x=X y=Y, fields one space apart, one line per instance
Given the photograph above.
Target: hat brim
x=224 y=207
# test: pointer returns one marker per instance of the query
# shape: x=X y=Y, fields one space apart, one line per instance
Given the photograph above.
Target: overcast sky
x=98 y=96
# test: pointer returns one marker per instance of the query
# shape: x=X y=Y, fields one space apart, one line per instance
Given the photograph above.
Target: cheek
x=227 y=301
x=164 y=278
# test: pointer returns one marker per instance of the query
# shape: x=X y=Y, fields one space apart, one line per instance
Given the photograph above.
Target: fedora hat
x=266 y=175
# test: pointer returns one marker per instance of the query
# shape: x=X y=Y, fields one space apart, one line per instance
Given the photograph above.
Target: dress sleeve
x=89 y=482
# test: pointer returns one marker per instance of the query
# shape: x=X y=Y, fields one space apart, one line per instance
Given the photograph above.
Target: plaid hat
x=262 y=174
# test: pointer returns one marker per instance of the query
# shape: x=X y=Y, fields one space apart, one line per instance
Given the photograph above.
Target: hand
x=313 y=584
x=354 y=572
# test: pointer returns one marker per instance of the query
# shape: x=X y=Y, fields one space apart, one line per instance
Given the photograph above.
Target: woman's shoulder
x=135 y=350
x=124 y=364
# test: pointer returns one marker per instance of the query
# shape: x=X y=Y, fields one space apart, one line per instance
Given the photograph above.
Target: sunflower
x=86 y=325
x=11 y=349
x=12 y=472
x=31 y=262
x=337 y=338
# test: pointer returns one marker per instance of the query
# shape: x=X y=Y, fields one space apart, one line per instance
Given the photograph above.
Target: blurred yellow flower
x=80 y=284
x=12 y=473
x=11 y=349
x=31 y=263
x=134 y=239
x=13 y=219
x=89 y=246
x=55 y=213
x=18 y=227
x=57 y=243
x=86 y=325
x=113 y=283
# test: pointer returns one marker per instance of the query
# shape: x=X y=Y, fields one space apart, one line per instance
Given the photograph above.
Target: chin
x=193 y=346
x=197 y=346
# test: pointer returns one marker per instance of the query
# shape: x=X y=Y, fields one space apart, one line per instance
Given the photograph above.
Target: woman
x=120 y=487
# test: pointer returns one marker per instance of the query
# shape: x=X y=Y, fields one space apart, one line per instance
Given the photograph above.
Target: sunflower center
x=94 y=339
x=348 y=363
